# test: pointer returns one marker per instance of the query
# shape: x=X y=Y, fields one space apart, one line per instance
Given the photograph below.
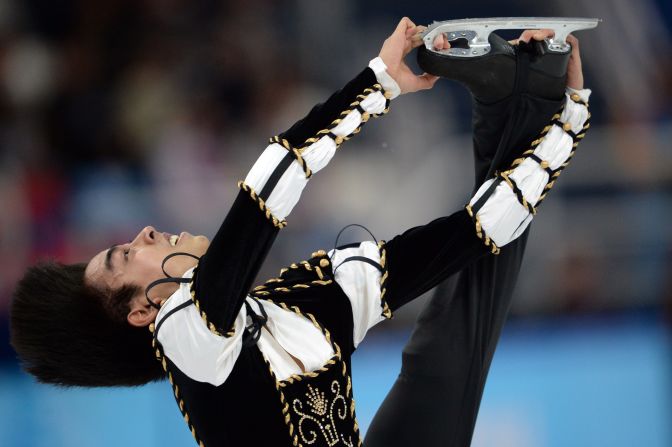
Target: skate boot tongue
x=546 y=71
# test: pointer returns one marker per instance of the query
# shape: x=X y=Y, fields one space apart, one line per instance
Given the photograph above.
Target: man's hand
x=394 y=50
x=574 y=69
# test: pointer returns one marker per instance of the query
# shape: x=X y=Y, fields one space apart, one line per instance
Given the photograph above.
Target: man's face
x=139 y=262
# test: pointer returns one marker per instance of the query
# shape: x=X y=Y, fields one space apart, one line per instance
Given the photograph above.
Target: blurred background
x=118 y=114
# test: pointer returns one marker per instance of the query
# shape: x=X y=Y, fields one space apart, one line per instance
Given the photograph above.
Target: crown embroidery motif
x=320 y=415
x=316 y=401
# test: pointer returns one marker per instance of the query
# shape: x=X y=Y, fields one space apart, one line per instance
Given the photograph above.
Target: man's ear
x=141 y=313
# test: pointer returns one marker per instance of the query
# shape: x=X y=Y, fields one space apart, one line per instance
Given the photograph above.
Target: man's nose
x=146 y=236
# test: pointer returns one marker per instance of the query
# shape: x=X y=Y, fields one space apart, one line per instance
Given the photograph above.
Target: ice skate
x=476 y=49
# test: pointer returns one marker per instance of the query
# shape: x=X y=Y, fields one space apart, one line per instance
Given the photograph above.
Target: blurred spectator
x=119 y=114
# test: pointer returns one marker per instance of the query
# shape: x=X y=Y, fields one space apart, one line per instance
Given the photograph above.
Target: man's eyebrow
x=108 y=257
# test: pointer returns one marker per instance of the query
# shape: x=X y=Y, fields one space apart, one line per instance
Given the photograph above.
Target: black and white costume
x=270 y=365
x=452 y=345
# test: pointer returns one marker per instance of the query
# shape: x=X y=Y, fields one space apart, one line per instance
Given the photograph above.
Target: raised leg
x=435 y=400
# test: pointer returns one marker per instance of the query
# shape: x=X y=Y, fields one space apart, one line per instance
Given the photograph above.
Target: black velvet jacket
x=253 y=408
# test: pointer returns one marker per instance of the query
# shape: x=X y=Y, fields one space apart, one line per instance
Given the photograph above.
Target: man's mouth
x=173 y=239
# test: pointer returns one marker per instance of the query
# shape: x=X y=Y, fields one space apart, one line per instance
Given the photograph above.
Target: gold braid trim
x=536 y=142
x=494 y=249
x=280 y=384
x=519 y=194
x=176 y=390
x=262 y=205
x=387 y=313
x=552 y=178
x=577 y=99
x=269 y=286
x=264 y=290
x=210 y=325
x=577 y=139
x=295 y=152
x=338 y=139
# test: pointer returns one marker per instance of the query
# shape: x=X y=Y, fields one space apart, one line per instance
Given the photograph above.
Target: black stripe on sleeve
x=275 y=177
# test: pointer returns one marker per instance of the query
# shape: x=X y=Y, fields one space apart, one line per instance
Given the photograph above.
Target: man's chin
x=200 y=245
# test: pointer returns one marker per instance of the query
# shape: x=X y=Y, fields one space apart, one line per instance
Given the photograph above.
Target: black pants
x=435 y=399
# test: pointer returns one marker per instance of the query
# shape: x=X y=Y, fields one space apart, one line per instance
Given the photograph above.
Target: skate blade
x=476 y=32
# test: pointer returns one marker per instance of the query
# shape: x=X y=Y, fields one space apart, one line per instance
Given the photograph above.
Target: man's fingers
x=410 y=31
x=536 y=34
x=438 y=42
x=526 y=35
x=441 y=42
x=401 y=26
x=416 y=40
x=543 y=34
x=404 y=24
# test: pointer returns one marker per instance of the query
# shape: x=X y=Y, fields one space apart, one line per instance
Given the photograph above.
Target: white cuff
x=384 y=78
x=584 y=93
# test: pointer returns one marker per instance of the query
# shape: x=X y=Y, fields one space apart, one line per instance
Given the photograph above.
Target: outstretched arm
x=275 y=182
x=499 y=212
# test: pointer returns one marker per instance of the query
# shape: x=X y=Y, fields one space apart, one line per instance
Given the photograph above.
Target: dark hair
x=71 y=334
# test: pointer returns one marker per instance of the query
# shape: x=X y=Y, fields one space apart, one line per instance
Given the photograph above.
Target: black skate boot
x=487 y=64
x=515 y=88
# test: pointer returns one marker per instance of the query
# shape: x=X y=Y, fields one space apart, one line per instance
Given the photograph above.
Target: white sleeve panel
x=574 y=113
x=361 y=283
x=348 y=123
x=556 y=146
x=502 y=217
x=502 y=213
x=320 y=153
x=264 y=166
x=286 y=191
x=531 y=179
x=374 y=103
x=192 y=347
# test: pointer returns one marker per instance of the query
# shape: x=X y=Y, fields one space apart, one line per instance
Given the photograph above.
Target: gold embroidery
x=320 y=414
x=387 y=313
